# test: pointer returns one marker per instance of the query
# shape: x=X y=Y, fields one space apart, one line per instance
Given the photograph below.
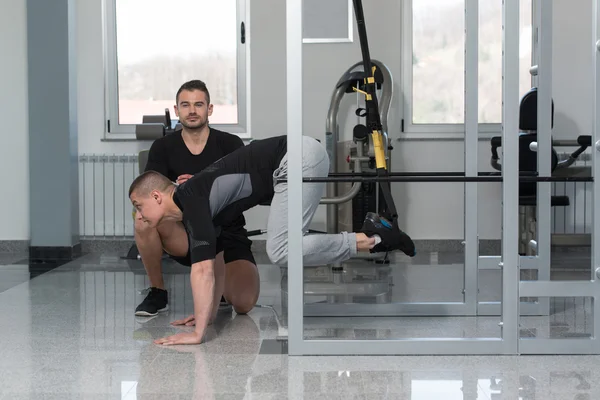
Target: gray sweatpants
x=317 y=249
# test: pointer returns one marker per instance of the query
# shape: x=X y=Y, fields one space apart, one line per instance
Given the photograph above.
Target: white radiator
x=577 y=217
x=104 y=207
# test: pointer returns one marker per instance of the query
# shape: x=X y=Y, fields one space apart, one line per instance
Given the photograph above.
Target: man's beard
x=201 y=125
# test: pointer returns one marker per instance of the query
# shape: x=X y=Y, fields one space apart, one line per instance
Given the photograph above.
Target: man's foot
x=156 y=301
x=392 y=238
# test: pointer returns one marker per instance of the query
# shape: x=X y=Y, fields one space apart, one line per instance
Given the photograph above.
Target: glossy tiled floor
x=71 y=333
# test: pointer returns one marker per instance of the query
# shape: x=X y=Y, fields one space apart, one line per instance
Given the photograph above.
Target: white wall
x=91 y=84
x=422 y=206
x=14 y=151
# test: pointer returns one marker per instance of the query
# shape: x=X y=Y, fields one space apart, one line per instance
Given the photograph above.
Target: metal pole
x=459 y=179
x=471 y=253
x=331 y=142
x=124 y=159
x=94 y=157
x=84 y=199
x=544 y=139
x=439 y=173
x=114 y=165
x=510 y=173
x=103 y=159
x=596 y=166
x=294 y=154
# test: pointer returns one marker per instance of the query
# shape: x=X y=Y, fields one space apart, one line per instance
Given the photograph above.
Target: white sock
x=377 y=239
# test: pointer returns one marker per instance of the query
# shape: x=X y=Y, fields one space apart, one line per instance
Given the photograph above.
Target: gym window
x=152 y=47
x=434 y=64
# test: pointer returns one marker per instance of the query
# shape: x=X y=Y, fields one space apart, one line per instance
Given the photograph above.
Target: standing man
x=178 y=156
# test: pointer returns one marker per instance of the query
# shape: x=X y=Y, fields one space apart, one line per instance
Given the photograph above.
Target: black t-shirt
x=214 y=197
x=170 y=156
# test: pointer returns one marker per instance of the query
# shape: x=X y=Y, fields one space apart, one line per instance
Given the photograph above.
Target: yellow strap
x=367 y=95
x=379 y=150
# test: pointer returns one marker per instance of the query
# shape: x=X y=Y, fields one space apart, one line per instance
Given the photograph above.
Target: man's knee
x=243 y=306
x=277 y=252
x=244 y=300
x=242 y=285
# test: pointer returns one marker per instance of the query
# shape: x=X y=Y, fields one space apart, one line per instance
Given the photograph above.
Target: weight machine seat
x=555 y=201
x=528 y=111
x=143 y=160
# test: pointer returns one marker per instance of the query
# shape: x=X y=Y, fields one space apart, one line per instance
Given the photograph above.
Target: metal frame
x=510 y=173
x=543 y=17
x=507 y=344
x=127 y=131
x=544 y=288
x=528 y=307
x=294 y=145
x=510 y=263
x=470 y=306
x=471 y=237
x=541 y=262
x=595 y=161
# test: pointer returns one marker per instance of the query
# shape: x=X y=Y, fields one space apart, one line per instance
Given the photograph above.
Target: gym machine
x=365 y=278
x=533 y=266
x=528 y=163
x=353 y=150
x=367 y=152
x=155 y=126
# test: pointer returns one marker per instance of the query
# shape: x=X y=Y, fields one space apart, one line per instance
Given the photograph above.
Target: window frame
x=433 y=130
x=115 y=131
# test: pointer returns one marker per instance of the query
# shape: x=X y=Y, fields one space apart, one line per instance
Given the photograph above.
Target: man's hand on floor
x=180 y=338
x=189 y=321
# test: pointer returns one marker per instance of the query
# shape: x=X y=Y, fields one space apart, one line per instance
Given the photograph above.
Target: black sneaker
x=224 y=306
x=392 y=238
x=156 y=301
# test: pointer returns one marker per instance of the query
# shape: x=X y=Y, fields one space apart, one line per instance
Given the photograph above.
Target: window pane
x=438 y=61
x=525 y=45
x=490 y=57
x=161 y=45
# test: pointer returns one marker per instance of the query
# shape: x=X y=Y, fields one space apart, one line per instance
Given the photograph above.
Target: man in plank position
x=235 y=183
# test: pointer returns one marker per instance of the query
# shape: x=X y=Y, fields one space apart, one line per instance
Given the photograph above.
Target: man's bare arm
x=203 y=288
x=202 y=280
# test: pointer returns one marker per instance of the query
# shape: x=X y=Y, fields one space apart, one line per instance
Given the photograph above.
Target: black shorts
x=233 y=242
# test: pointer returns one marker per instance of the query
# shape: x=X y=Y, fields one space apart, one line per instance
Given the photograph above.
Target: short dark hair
x=195 y=84
x=144 y=184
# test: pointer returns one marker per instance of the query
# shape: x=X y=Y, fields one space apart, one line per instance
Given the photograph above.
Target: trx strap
x=372 y=114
